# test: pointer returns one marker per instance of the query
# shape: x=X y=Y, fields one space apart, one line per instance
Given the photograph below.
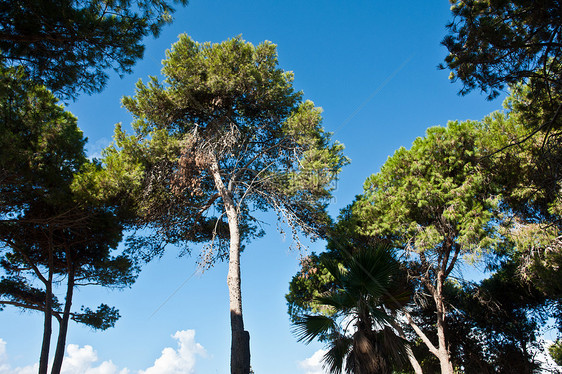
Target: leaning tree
x=432 y=201
x=222 y=136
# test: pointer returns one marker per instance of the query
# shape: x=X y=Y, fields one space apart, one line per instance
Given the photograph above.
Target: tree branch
x=32 y=307
x=422 y=335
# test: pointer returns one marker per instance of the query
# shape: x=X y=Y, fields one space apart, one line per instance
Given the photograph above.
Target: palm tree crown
x=360 y=305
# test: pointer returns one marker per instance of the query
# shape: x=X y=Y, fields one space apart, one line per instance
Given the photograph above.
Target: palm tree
x=358 y=327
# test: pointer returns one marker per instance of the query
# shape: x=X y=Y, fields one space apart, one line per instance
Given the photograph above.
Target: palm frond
x=394 y=345
x=372 y=270
x=310 y=327
x=339 y=349
x=334 y=268
x=397 y=298
x=368 y=290
x=340 y=300
x=379 y=316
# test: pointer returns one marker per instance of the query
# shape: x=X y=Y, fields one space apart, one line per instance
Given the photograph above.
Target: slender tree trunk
x=413 y=360
x=240 y=347
x=47 y=331
x=443 y=355
x=445 y=265
x=441 y=352
x=47 y=324
x=61 y=341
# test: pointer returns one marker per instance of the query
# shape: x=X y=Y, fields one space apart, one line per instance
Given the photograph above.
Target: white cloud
x=84 y=360
x=5 y=367
x=313 y=364
x=181 y=360
x=3 y=358
x=95 y=148
x=3 y=355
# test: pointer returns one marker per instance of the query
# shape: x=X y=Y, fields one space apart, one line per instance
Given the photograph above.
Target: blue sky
x=372 y=66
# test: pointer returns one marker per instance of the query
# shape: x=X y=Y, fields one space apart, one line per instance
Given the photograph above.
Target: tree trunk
x=240 y=347
x=61 y=341
x=413 y=360
x=445 y=265
x=443 y=350
x=47 y=331
x=367 y=358
x=47 y=323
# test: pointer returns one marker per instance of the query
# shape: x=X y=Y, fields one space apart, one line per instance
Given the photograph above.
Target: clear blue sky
x=372 y=66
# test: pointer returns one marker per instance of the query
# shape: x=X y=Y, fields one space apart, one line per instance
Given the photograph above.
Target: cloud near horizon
x=181 y=360
x=84 y=360
x=313 y=364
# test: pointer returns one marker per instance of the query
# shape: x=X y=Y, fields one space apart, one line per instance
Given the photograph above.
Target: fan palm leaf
x=366 y=292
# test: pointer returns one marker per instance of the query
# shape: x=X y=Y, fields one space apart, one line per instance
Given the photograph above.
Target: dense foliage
x=433 y=202
x=68 y=44
x=503 y=42
x=224 y=135
x=462 y=194
x=50 y=233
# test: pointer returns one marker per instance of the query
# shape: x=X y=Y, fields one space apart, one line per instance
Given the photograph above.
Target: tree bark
x=240 y=346
x=63 y=329
x=413 y=360
x=47 y=331
x=445 y=264
x=443 y=350
x=47 y=323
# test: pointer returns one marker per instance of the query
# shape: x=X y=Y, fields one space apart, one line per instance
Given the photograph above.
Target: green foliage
x=19 y=291
x=494 y=43
x=40 y=143
x=314 y=279
x=222 y=136
x=103 y=318
x=50 y=232
x=496 y=324
x=493 y=326
x=431 y=194
x=68 y=44
x=439 y=201
x=476 y=188
x=526 y=177
x=229 y=104
x=210 y=81
x=555 y=351
x=311 y=281
x=526 y=167
x=518 y=43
